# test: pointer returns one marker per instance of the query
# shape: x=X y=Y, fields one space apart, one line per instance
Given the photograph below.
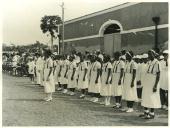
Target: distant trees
x=50 y=24
x=31 y=48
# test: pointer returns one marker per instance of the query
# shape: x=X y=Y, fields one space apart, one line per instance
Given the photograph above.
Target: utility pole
x=62 y=6
x=156 y=21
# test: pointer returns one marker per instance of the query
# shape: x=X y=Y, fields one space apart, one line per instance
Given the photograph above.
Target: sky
x=21 y=18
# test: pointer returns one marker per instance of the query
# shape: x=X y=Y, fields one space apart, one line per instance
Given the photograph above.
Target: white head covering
x=161 y=57
x=123 y=57
x=153 y=51
x=129 y=54
x=165 y=51
x=134 y=57
x=145 y=55
x=55 y=53
x=138 y=57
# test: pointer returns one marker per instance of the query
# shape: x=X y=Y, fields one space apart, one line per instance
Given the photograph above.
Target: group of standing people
x=141 y=78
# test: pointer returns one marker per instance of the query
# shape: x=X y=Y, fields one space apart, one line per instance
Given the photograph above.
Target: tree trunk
x=51 y=47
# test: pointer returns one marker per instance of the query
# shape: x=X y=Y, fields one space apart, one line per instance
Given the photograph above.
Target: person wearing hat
x=161 y=57
x=150 y=92
x=138 y=76
x=39 y=69
x=48 y=77
x=129 y=87
x=31 y=69
x=164 y=80
x=98 y=53
x=143 y=70
x=72 y=81
x=117 y=78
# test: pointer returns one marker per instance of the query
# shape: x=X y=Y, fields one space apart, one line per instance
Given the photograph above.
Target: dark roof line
x=96 y=12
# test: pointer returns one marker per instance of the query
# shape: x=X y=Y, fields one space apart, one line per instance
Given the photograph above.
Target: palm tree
x=50 y=24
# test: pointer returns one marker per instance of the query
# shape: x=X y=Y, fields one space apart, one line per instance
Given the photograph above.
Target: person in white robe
x=117 y=78
x=94 y=78
x=164 y=80
x=151 y=86
x=82 y=76
x=129 y=86
x=48 y=77
x=106 y=86
x=31 y=69
x=39 y=69
x=60 y=65
x=72 y=81
x=64 y=71
x=56 y=69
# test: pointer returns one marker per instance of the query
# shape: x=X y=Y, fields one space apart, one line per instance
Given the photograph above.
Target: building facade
x=128 y=26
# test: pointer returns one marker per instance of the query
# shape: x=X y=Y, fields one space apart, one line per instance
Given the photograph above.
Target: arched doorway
x=110 y=31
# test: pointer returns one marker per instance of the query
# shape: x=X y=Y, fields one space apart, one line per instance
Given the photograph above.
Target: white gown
x=117 y=89
x=60 y=64
x=88 y=77
x=63 y=79
x=138 y=74
x=31 y=67
x=93 y=87
x=56 y=72
x=39 y=70
x=129 y=93
x=106 y=89
x=164 y=76
x=151 y=99
x=81 y=70
x=49 y=86
x=72 y=83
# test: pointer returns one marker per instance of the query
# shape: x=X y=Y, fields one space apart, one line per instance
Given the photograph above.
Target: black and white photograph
x=85 y=63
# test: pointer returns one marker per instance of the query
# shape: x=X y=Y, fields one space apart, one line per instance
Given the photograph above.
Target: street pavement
x=23 y=106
